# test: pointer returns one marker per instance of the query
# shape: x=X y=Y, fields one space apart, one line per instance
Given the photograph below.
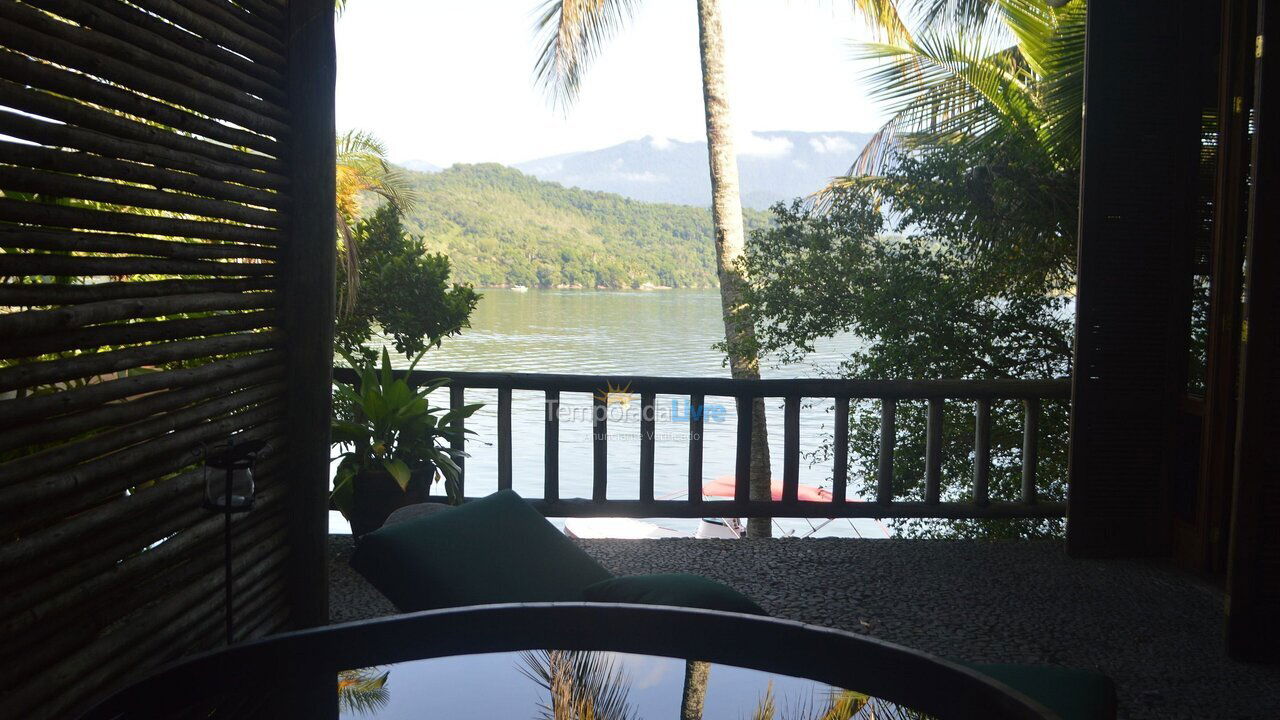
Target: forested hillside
x=502 y=227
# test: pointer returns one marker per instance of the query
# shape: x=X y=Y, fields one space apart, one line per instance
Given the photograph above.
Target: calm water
x=664 y=333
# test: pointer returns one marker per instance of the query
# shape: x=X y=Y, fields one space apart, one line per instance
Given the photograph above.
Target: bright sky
x=452 y=82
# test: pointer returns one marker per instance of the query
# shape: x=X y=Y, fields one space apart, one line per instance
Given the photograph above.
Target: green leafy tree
x=362 y=170
x=574 y=33
x=938 y=302
x=976 y=172
x=405 y=291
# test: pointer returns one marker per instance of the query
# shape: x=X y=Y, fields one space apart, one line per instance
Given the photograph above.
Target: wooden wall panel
x=1137 y=218
x=1253 y=574
x=150 y=214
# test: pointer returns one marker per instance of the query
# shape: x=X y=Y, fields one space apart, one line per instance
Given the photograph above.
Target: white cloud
x=753 y=144
x=831 y=144
x=660 y=143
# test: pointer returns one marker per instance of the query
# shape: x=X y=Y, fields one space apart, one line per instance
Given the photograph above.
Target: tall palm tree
x=694 y=694
x=362 y=167
x=574 y=33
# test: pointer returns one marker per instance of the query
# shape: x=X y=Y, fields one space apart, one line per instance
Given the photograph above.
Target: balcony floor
x=1156 y=631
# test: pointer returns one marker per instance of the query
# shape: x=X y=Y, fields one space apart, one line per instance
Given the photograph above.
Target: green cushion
x=1072 y=694
x=680 y=589
x=493 y=550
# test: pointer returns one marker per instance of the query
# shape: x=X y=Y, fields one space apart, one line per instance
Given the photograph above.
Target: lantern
x=228 y=476
x=228 y=489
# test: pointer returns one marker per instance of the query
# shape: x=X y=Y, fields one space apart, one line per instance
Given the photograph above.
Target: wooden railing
x=889 y=392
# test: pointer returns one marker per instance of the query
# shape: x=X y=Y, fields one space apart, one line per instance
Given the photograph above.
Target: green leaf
x=343 y=494
x=399 y=471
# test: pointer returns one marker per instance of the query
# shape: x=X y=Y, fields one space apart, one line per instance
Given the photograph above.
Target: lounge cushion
x=1071 y=693
x=680 y=589
x=493 y=550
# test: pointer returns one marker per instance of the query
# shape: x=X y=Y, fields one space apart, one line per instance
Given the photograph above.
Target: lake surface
x=663 y=333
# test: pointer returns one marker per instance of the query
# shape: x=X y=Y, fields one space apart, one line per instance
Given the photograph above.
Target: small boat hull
x=617 y=528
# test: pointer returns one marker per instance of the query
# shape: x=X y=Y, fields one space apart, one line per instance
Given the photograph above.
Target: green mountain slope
x=502 y=227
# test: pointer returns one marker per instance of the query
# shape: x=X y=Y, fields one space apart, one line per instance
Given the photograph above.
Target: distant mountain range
x=773 y=166
x=420 y=166
x=500 y=227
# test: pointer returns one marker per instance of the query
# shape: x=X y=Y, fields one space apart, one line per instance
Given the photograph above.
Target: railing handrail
x=1011 y=389
x=746 y=393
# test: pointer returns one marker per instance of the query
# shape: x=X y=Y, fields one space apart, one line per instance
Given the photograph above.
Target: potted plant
x=394 y=443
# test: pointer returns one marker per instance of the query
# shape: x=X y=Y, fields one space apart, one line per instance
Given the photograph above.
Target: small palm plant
x=386 y=427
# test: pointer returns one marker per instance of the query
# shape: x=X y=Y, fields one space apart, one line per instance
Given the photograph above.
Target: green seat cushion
x=494 y=550
x=1072 y=694
x=680 y=589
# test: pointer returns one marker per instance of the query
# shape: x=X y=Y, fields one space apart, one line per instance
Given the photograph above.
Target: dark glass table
x=568 y=661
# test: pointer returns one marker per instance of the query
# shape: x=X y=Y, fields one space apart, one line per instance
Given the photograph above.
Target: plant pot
x=376 y=494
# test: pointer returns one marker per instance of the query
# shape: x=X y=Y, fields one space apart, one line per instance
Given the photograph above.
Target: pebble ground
x=1153 y=629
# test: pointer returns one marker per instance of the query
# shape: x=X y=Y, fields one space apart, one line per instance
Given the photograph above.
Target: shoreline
x=642 y=288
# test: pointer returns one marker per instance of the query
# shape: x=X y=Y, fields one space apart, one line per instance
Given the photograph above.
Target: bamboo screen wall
x=147 y=206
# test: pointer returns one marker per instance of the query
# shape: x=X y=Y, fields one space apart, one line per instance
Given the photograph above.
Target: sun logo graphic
x=614 y=395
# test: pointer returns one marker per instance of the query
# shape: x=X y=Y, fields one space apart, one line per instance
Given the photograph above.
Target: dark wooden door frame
x=308 y=312
x=1201 y=541
x=1253 y=575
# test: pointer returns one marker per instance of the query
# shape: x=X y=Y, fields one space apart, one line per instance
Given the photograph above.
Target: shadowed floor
x=1156 y=631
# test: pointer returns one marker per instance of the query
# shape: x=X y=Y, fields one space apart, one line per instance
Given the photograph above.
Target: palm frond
x=767 y=706
x=943 y=88
x=884 y=19
x=936 y=14
x=582 y=685
x=363 y=167
x=364 y=691
x=960 y=80
x=572 y=34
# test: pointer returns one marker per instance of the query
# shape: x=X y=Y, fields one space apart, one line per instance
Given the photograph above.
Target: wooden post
x=599 y=447
x=697 y=405
x=551 y=448
x=1030 y=448
x=647 y=411
x=933 y=452
x=840 y=467
x=791 y=450
x=308 y=302
x=884 y=467
x=742 y=464
x=981 y=451
x=504 y=438
x=457 y=398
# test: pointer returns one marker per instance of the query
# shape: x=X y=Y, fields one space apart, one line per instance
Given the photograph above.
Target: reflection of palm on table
x=296 y=671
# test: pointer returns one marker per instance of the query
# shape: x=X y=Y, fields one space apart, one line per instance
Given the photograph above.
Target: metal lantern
x=228 y=489
x=228 y=476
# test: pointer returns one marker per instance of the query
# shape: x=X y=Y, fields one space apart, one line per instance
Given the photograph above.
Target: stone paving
x=1153 y=629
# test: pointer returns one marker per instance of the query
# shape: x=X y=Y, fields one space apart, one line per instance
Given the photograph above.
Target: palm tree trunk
x=726 y=217
x=695 y=689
